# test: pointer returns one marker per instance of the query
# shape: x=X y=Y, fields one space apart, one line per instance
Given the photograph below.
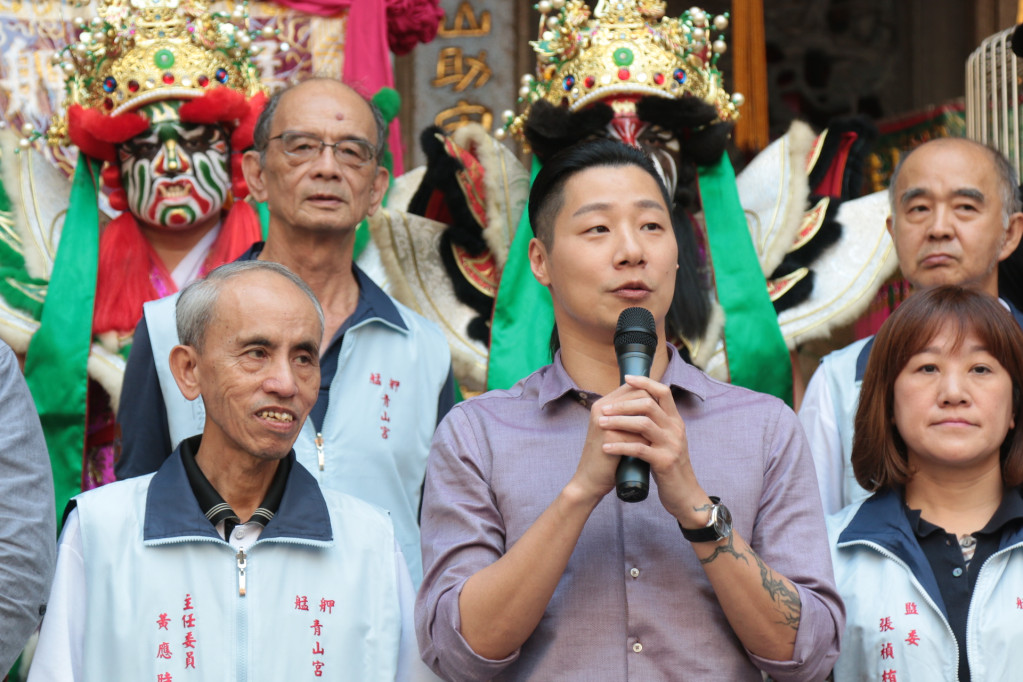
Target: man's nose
x=942 y=224
x=629 y=248
x=326 y=163
x=280 y=378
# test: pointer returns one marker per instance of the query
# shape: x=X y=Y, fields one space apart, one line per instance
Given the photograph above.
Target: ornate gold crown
x=138 y=51
x=625 y=47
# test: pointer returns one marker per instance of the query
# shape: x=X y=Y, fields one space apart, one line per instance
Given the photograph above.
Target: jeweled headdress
x=139 y=51
x=625 y=47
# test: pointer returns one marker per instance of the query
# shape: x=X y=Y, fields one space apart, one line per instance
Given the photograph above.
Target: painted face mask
x=176 y=175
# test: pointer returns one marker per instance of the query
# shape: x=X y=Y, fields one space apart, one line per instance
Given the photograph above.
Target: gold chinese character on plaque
x=465 y=23
x=463 y=113
x=461 y=70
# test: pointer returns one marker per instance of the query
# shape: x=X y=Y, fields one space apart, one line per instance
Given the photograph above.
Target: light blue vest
x=840 y=371
x=381 y=414
x=307 y=604
x=894 y=622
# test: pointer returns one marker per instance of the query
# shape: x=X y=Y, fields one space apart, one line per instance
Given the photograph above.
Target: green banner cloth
x=757 y=355
x=520 y=332
x=55 y=367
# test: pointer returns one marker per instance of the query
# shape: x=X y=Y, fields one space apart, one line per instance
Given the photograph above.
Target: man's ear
x=252 y=170
x=379 y=188
x=539 y=261
x=1012 y=236
x=890 y=226
x=184 y=365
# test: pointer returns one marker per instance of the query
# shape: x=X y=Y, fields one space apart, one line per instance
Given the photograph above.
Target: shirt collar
x=1010 y=510
x=210 y=501
x=556 y=383
x=373 y=302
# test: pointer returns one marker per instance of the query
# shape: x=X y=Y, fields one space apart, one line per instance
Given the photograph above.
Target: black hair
x=547 y=194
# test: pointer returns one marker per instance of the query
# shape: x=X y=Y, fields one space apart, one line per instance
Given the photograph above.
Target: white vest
x=381 y=414
x=308 y=605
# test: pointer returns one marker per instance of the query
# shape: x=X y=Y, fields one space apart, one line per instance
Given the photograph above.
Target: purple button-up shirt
x=634 y=602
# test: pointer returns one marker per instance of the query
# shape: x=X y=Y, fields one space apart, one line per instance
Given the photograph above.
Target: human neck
x=324 y=261
x=593 y=364
x=242 y=481
x=961 y=503
x=171 y=246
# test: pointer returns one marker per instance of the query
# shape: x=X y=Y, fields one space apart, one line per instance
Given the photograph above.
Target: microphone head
x=636 y=326
x=1017 y=41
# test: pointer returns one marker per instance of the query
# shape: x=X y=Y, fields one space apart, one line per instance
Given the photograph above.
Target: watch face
x=723 y=521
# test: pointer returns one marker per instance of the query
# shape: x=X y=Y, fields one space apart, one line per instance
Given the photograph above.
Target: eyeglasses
x=303 y=147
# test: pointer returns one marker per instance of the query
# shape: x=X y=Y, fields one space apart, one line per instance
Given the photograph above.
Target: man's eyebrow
x=595 y=206
x=311 y=347
x=970 y=193
x=964 y=192
x=343 y=138
x=256 y=341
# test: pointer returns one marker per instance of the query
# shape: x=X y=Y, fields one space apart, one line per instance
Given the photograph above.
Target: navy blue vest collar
x=173 y=512
x=880 y=520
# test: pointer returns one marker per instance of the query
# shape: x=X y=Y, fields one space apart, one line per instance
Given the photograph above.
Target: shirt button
x=634 y=573
x=637 y=647
x=957 y=571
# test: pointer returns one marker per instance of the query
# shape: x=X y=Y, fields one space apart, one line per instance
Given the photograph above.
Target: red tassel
x=241 y=138
x=239 y=187
x=241 y=229
x=118 y=199
x=219 y=105
x=122 y=282
x=111 y=175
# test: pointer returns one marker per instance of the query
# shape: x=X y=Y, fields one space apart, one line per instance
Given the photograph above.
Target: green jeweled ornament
x=623 y=56
x=164 y=59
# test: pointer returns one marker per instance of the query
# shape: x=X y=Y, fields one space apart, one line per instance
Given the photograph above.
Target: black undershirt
x=955 y=578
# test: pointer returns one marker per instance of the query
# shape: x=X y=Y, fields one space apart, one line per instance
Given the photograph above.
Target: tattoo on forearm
x=787 y=598
x=727 y=548
x=789 y=605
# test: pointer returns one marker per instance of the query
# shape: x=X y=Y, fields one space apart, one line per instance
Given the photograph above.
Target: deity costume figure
x=768 y=260
x=162 y=97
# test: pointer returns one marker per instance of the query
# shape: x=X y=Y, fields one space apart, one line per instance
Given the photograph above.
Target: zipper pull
x=319 y=449
x=242 y=563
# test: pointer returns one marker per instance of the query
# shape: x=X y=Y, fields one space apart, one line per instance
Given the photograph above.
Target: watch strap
x=706 y=534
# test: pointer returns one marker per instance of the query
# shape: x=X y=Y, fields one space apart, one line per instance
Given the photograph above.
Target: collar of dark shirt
x=679 y=375
x=210 y=501
x=1010 y=510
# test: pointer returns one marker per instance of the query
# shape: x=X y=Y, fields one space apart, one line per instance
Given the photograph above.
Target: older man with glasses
x=386 y=371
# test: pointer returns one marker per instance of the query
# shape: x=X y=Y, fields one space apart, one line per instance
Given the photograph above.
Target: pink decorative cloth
x=367 y=57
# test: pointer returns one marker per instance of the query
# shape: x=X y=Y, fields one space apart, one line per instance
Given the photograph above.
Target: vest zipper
x=242 y=563
x=319 y=449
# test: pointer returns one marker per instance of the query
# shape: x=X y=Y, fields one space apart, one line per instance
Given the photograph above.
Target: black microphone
x=635 y=345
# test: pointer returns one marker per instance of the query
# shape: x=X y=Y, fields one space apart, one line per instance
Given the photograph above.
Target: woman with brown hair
x=931 y=565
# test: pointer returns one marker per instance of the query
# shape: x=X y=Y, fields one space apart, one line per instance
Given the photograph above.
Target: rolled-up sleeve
x=462 y=533
x=791 y=537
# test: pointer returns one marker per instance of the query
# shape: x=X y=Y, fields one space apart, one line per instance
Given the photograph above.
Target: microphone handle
x=632 y=478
